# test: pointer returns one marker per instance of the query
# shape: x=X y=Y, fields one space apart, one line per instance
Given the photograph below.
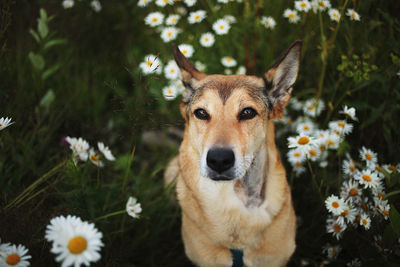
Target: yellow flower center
x=353 y=15
x=367 y=178
x=228 y=59
x=321 y=4
x=206 y=39
x=313 y=152
x=155 y=19
x=303 y=140
x=169 y=91
x=352 y=168
x=306 y=127
x=221 y=27
x=335 y=15
x=322 y=148
x=380 y=195
x=335 y=204
x=386 y=212
x=391 y=167
x=303 y=4
x=330 y=143
x=296 y=154
x=311 y=107
x=94 y=158
x=345 y=213
x=149 y=63
x=336 y=228
x=77 y=245
x=341 y=124
x=173 y=20
x=1 y=124
x=166 y=1
x=368 y=156
x=364 y=221
x=13 y=259
x=169 y=34
x=197 y=17
x=291 y=15
x=172 y=71
x=353 y=192
x=298 y=164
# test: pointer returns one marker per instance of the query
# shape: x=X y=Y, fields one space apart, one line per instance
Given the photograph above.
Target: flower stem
x=110 y=215
x=314 y=179
x=128 y=167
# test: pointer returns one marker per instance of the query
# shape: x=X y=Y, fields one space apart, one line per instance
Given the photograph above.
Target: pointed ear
x=280 y=78
x=190 y=75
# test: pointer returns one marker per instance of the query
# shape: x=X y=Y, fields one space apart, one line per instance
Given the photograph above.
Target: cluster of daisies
x=81 y=151
x=94 y=4
x=5 y=122
x=316 y=6
x=74 y=242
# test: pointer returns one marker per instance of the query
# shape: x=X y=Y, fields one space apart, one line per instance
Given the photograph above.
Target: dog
x=230 y=182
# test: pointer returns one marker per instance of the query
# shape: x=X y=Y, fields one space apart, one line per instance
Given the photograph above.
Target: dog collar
x=237 y=256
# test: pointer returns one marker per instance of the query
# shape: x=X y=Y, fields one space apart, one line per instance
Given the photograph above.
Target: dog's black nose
x=220 y=159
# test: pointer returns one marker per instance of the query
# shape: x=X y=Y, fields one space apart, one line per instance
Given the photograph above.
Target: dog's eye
x=247 y=114
x=201 y=114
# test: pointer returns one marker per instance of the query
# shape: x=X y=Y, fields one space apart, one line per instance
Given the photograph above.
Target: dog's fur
x=248 y=206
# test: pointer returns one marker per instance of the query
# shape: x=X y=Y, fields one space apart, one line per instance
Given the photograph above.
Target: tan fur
x=254 y=212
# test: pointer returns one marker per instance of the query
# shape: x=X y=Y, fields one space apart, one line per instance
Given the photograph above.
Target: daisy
x=320 y=5
x=68 y=3
x=351 y=191
x=296 y=155
x=95 y=159
x=367 y=178
x=241 y=70
x=105 y=151
x=368 y=156
x=178 y=85
x=75 y=242
x=313 y=154
x=349 y=214
x=133 y=208
x=169 y=33
x=190 y=2
x=14 y=256
x=228 y=62
x=186 y=50
x=143 y=3
x=151 y=64
x=172 y=19
x=79 y=148
x=169 y=92
x=352 y=14
x=384 y=210
x=365 y=221
x=5 y=122
x=331 y=251
x=291 y=15
x=221 y=27
x=197 y=16
x=354 y=263
x=302 y=142
x=334 y=205
x=295 y=103
x=313 y=108
x=163 y=3
x=223 y=1
x=181 y=10
x=306 y=127
x=349 y=167
x=341 y=127
x=298 y=168
x=171 y=70
x=350 y=112
x=228 y=72
x=332 y=141
x=268 y=22
x=302 y=5
x=207 y=39
x=389 y=168
x=154 y=19
x=334 y=14
x=200 y=66
x=230 y=19
x=335 y=228
x=96 y=5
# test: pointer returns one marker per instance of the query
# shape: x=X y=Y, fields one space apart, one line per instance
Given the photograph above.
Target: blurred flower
x=169 y=33
x=14 y=256
x=332 y=141
x=313 y=153
x=341 y=127
x=384 y=209
x=350 y=112
x=367 y=178
x=96 y=5
x=143 y=3
x=351 y=191
x=171 y=70
x=334 y=14
x=365 y=221
x=302 y=141
x=163 y=3
x=196 y=16
x=334 y=227
x=320 y=5
x=5 y=122
x=354 y=263
x=223 y=1
x=296 y=155
x=105 y=151
x=331 y=251
x=268 y=22
x=169 y=92
x=369 y=157
x=228 y=62
x=207 y=39
x=291 y=15
x=186 y=50
x=298 y=168
x=241 y=70
x=302 y=5
x=154 y=19
x=79 y=148
x=150 y=65
x=133 y=208
x=172 y=19
x=221 y=27
x=178 y=85
x=334 y=205
x=230 y=19
x=94 y=158
x=313 y=108
x=74 y=241
x=228 y=71
x=353 y=14
x=390 y=168
x=190 y=2
x=306 y=127
x=68 y=3
x=200 y=66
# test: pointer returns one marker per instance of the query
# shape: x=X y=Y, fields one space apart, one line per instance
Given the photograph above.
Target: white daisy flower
x=169 y=33
x=207 y=39
x=298 y=168
x=221 y=27
x=4 y=246
x=390 y=168
x=353 y=14
x=154 y=19
x=350 y=112
x=228 y=62
x=268 y=22
x=105 y=151
x=349 y=213
x=306 y=127
x=354 y=263
x=5 y=122
x=341 y=127
x=332 y=141
x=384 y=209
x=67 y=3
x=365 y=221
x=230 y=19
x=151 y=64
x=186 y=50
x=143 y=3
x=190 y=2
x=178 y=85
x=133 y=208
x=197 y=16
x=368 y=156
x=228 y=72
x=302 y=142
x=331 y=251
x=223 y=1
x=295 y=103
x=313 y=154
x=58 y=225
x=14 y=256
x=334 y=227
x=95 y=159
x=367 y=178
x=334 y=14
x=296 y=155
x=302 y=5
x=313 y=108
x=96 y=5
x=170 y=92
x=181 y=10
x=79 y=148
x=172 y=19
x=241 y=70
x=351 y=191
x=163 y=3
x=74 y=242
x=171 y=70
x=200 y=66
x=320 y=5
x=291 y=15
x=334 y=205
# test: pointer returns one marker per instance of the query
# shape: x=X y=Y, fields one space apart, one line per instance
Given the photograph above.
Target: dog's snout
x=220 y=159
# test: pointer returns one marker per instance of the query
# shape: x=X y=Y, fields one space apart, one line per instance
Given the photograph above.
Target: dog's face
x=227 y=115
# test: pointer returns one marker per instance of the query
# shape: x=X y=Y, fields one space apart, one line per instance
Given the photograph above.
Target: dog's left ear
x=280 y=78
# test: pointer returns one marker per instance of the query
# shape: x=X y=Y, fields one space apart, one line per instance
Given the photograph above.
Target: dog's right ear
x=190 y=75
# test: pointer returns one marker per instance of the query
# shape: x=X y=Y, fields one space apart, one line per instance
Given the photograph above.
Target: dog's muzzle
x=221 y=161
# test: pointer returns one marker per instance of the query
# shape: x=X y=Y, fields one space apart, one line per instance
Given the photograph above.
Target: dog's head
x=227 y=115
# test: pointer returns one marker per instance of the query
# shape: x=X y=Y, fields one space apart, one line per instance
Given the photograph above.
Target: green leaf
x=36 y=60
x=42 y=28
x=35 y=35
x=54 y=42
x=392 y=193
x=43 y=13
x=47 y=99
x=394 y=219
x=50 y=71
